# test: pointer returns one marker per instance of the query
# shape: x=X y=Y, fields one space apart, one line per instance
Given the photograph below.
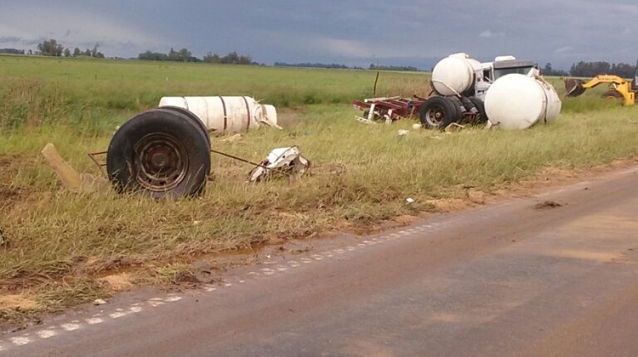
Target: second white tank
x=517 y=101
x=226 y=114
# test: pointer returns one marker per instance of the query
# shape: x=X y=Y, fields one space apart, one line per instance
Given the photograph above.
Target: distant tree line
x=393 y=68
x=549 y=71
x=184 y=55
x=12 y=51
x=342 y=66
x=591 y=69
x=55 y=49
x=315 y=65
x=231 y=58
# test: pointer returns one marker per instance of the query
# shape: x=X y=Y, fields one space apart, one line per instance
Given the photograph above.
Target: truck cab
x=502 y=65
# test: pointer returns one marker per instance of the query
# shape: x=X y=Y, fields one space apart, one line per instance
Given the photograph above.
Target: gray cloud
x=490 y=34
x=5 y=39
x=415 y=32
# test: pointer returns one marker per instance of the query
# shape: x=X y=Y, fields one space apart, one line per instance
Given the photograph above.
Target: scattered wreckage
x=166 y=152
x=507 y=93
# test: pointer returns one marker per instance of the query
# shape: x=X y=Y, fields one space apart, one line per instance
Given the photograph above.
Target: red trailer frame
x=388 y=109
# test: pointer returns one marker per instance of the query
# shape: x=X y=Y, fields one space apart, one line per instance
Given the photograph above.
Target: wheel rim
x=162 y=162
x=435 y=115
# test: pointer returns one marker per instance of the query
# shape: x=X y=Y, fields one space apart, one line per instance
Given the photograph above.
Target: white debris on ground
x=287 y=159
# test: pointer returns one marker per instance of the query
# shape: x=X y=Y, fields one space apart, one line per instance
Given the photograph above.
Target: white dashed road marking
x=118 y=314
x=209 y=288
x=20 y=341
x=46 y=333
x=71 y=326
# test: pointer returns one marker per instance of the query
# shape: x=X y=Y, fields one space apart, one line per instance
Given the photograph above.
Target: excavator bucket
x=574 y=87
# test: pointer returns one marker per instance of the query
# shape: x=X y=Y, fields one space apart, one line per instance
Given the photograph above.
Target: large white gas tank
x=517 y=101
x=454 y=74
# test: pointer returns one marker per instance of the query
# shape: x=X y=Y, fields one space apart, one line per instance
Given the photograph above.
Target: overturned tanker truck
x=507 y=92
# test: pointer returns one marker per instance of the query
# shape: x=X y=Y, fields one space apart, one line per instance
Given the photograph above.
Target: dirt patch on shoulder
x=406 y=220
x=118 y=282
x=451 y=204
x=17 y=302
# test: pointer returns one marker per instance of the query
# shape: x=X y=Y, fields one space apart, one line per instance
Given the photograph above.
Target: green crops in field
x=92 y=94
x=95 y=95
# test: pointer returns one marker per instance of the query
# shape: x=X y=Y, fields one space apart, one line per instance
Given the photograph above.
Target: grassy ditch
x=63 y=248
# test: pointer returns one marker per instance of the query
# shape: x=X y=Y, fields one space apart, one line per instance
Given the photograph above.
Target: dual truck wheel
x=439 y=112
x=162 y=153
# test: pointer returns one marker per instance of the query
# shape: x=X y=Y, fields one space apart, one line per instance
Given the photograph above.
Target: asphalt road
x=555 y=275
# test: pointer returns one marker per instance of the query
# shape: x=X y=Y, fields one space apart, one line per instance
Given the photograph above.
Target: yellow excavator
x=619 y=88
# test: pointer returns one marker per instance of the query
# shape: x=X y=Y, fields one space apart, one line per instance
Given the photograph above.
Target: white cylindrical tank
x=517 y=101
x=454 y=74
x=226 y=114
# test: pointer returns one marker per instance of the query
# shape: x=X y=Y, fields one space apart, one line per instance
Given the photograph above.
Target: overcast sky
x=351 y=32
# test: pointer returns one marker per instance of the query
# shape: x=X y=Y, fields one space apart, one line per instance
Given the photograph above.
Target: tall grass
x=60 y=242
x=82 y=92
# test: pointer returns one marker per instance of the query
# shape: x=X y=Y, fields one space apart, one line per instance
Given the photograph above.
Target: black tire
x=194 y=120
x=192 y=117
x=458 y=104
x=470 y=91
x=160 y=153
x=611 y=94
x=481 y=118
x=438 y=112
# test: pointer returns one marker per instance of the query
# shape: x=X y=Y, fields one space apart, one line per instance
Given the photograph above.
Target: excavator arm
x=576 y=87
x=603 y=78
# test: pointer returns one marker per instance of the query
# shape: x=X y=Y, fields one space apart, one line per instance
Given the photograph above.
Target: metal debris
x=69 y=177
x=288 y=159
x=454 y=127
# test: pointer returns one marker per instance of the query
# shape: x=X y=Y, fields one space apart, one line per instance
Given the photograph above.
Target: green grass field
x=60 y=243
